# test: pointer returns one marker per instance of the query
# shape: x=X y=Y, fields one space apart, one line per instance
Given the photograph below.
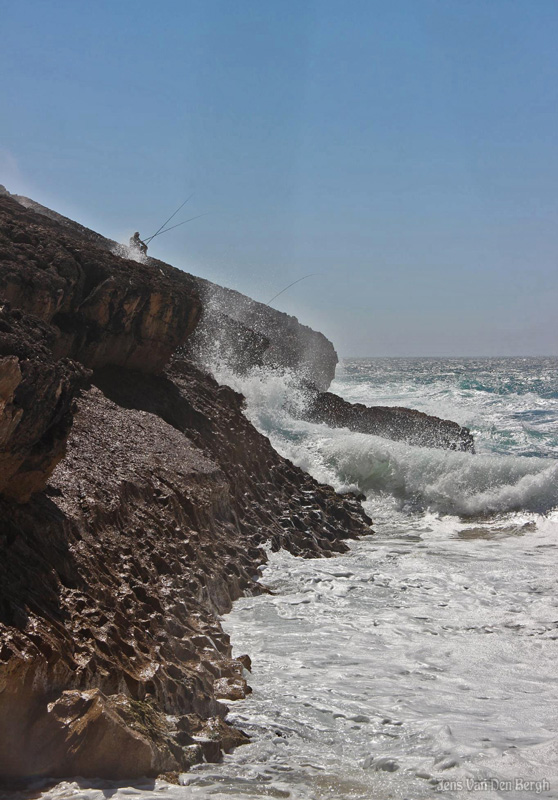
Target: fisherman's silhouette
x=137 y=243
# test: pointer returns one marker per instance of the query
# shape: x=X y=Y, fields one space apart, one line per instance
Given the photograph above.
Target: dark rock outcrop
x=113 y=574
x=401 y=424
x=244 y=332
x=219 y=339
x=105 y=310
x=290 y=345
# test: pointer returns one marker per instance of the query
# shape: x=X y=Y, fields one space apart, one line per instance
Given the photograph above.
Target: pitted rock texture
x=36 y=404
x=112 y=580
x=401 y=424
x=113 y=577
x=105 y=309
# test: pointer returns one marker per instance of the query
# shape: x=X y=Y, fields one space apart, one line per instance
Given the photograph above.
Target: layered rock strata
x=36 y=403
x=248 y=333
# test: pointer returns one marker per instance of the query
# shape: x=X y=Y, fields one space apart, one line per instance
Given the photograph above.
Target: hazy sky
x=406 y=150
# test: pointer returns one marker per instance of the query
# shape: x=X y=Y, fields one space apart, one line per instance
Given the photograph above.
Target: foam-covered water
x=423 y=662
x=511 y=405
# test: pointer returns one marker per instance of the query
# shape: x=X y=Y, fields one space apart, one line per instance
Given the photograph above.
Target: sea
x=423 y=663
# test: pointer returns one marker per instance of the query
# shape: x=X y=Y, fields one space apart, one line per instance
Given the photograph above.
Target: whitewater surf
x=423 y=662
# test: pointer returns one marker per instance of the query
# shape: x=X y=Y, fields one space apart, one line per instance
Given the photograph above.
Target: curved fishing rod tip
x=310 y=275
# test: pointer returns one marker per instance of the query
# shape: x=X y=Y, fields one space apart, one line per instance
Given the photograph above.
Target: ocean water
x=423 y=663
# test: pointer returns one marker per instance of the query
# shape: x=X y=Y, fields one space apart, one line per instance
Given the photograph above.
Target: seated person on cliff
x=137 y=243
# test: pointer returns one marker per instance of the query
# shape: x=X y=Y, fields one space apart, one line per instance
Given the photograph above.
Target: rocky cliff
x=277 y=340
x=32 y=435
x=103 y=310
x=238 y=332
x=135 y=500
x=233 y=327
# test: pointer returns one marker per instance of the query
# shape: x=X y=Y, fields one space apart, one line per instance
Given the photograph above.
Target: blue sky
x=405 y=150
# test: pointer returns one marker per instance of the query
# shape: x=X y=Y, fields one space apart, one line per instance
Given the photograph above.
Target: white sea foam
x=415 y=477
x=424 y=660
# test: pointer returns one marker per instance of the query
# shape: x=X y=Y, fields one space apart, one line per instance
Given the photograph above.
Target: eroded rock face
x=247 y=333
x=36 y=404
x=104 y=309
x=112 y=580
x=401 y=424
x=243 y=333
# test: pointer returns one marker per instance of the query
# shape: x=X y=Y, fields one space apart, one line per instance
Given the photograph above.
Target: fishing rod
x=289 y=286
x=169 y=219
x=172 y=227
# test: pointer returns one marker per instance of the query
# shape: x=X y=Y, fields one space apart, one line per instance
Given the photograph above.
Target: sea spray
x=417 y=478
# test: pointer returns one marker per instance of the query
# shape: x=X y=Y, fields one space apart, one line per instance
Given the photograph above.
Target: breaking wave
x=413 y=478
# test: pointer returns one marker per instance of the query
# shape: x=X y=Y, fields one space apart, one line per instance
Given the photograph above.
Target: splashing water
x=130 y=253
x=516 y=433
x=423 y=662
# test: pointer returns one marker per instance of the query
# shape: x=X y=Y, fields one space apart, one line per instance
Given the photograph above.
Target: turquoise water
x=510 y=404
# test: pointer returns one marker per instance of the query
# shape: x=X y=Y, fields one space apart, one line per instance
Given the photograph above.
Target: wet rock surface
x=403 y=424
x=115 y=567
x=248 y=332
x=219 y=338
x=117 y=559
x=284 y=343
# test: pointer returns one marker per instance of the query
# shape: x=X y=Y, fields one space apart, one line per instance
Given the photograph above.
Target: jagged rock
x=36 y=404
x=264 y=335
x=243 y=333
x=99 y=737
x=104 y=309
x=111 y=582
x=402 y=424
x=112 y=579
